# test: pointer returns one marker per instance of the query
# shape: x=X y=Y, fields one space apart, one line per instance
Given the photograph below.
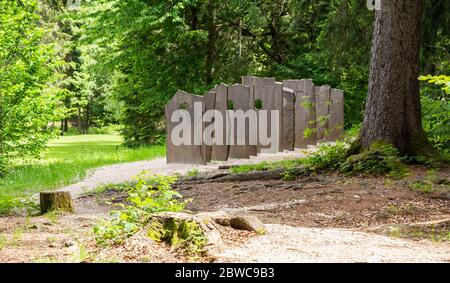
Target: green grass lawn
x=66 y=161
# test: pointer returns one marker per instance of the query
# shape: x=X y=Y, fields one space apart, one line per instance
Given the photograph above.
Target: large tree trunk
x=393 y=111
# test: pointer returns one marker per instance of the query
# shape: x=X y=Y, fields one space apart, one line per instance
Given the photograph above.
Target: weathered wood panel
x=288 y=121
x=190 y=153
x=323 y=106
x=337 y=115
x=239 y=97
x=305 y=112
x=220 y=151
x=209 y=103
x=267 y=95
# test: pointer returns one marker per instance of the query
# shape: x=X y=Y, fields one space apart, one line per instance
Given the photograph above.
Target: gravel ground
x=285 y=244
x=125 y=172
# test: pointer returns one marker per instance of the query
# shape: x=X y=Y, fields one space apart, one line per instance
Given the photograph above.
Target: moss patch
x=179 y=234
x=380 y=159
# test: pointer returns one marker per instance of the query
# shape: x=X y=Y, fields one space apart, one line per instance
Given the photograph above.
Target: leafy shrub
x=328 y=157
x=380 y=159
x=151 y=194
x=435 y=109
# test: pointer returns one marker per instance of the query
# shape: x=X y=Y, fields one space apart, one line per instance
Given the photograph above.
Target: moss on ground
x=179 y=234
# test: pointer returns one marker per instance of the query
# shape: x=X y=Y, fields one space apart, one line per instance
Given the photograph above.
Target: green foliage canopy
x=28 y=93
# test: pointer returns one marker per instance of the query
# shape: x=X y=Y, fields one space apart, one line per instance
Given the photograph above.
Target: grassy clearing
x=67 y=160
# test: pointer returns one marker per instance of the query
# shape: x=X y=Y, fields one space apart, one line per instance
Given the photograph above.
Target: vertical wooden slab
x=239 y=97
x=187 y=154
x=305 y=112
x=337 y=115
x=278 y=106
x=220 y=152
x=323 y=106
x=257 y=89
x=209 y=103
x=288 y=120
x=269 y=93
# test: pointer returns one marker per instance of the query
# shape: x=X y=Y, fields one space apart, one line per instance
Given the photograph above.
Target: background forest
x=113 y=64
x=83 y=89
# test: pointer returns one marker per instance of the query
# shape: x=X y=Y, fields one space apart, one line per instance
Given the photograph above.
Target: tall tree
x=393 y=111
x=29 y=96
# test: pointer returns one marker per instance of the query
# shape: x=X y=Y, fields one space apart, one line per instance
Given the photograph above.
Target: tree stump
x=61 y=201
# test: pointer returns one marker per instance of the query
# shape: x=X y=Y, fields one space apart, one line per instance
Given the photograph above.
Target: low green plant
x=151 y=194
x=81 y=255
x=267 y=166
x=53 y=216
x=328 y=157
x=421 y=186
x=193 y=173
x=407 y=209
x=3 y=242
x=293 y=173
x=435 y=232
x=17 y=236
x=380 y=159
x=10 y=205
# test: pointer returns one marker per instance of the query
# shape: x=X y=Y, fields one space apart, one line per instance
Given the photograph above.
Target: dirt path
x=69 y=238
x=285 y=244
x=125 y=172
x=326 y=218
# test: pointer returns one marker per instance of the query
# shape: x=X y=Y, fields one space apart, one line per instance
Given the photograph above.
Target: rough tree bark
x=59 y=201
x=393 y=111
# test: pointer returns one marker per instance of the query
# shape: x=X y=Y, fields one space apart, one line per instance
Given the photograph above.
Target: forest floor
x=324 y=218
x=119 y=173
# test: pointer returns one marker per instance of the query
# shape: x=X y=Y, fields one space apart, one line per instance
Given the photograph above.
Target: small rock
x=249 y=223
x=68 y=244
